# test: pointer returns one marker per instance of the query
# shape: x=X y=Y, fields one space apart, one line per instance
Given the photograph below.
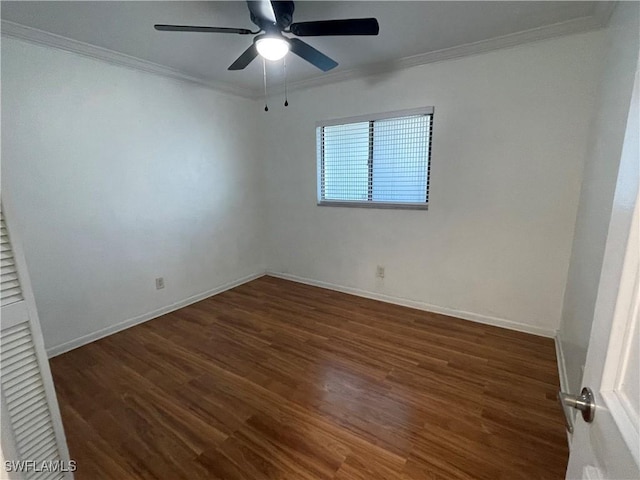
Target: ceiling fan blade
x=353 y=26
x=245 y=59
x=262 y=9
x=311 y=55
x=190 y=28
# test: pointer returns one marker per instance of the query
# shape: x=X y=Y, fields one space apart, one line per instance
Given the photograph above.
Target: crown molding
x=604 y=10
x=40 y=37
x=599 y=19
x=577 y=25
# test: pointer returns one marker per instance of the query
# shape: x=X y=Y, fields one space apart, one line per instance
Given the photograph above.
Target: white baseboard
x=92 y=337
x=474 y=317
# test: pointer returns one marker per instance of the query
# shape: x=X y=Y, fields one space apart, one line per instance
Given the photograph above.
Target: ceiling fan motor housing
x=284 y=14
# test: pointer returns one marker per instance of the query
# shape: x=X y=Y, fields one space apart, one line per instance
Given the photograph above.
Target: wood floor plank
x=280 y=380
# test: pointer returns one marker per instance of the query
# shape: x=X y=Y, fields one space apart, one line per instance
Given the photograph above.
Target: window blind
x=381 y=161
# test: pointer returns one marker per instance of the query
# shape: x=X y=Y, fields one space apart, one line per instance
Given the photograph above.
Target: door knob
x=585 y=403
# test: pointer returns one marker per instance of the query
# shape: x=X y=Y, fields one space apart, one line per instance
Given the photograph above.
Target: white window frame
x=371 y=118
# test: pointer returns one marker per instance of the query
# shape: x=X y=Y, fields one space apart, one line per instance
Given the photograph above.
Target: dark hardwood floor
x=278 y=380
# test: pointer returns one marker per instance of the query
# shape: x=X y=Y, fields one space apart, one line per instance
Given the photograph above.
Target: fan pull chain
x=264 y=71
x=284 y=61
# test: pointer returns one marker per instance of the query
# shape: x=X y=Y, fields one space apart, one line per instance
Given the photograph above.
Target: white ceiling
x=407 y=29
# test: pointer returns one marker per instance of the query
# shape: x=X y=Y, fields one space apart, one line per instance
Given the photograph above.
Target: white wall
x=118 y=177
x=510 y=135
x=598 y=188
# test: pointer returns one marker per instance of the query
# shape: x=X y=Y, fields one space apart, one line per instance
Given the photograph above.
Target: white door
x=32 y=439
x=609 y=447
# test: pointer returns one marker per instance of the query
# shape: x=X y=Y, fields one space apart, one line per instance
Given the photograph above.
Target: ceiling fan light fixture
x=272 y=48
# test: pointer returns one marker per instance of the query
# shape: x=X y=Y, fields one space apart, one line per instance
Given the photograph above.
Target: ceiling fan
x=274 y=18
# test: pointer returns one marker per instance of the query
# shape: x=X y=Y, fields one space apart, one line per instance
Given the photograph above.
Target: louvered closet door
x=31 y=426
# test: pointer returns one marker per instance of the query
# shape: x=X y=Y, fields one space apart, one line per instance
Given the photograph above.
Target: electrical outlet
x=159 y=283
x=380 y=271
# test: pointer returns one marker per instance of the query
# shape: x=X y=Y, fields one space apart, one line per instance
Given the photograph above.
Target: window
x=375 y=161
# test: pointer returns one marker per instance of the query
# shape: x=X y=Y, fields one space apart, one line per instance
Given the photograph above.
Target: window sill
x=382 y=205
